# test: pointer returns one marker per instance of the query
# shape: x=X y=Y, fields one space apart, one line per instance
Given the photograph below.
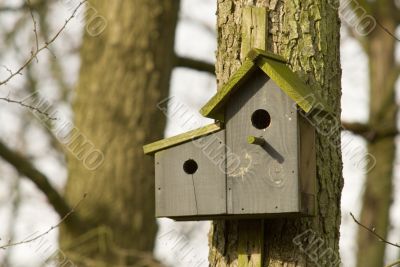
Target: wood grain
x=250 y=243
x=203 y=193
x=307 y=164
x=254 y=29
x=267 y=180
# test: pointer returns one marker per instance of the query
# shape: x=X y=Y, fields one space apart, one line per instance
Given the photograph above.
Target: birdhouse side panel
x=190 y=178
x=307 y=164
x=266 y=179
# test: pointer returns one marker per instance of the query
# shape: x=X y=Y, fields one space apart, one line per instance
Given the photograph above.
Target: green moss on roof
x=274 y=67
x=181 y=138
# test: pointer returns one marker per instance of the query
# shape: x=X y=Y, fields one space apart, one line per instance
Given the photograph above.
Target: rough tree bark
x=306 y=33
x=124 y=73
x=383 y=74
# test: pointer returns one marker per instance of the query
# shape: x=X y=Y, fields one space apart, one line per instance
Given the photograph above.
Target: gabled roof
x=274 y=67
x=181 y=138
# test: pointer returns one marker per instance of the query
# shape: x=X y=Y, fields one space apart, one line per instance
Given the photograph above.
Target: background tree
x=144 y=81
x=379 y=45
x=36 y=15
x=306 y=33
x=124 y=73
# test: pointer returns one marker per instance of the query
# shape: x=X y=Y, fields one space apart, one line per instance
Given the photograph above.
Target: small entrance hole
x=190 y=166
x=260 y=119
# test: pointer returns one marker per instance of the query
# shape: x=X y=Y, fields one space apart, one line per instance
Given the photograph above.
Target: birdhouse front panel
x=262 y=130
x=190 y=178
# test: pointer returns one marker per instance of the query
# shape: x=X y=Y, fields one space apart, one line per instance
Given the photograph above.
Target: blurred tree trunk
x=383 y=74
x=125 y=72
x=306 y=33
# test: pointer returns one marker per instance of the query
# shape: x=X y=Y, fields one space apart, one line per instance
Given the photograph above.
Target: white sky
x=194 y=39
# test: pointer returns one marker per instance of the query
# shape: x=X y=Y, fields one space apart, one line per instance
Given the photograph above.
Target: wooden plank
x=266 y=181
x=254 y=29
x=181 y=138
x=250 y=243
x=180 y=193
x=307 y=165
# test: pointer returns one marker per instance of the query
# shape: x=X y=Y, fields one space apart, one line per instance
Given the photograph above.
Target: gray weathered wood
x=203 y=193
x=266 y=182
x=307 y=164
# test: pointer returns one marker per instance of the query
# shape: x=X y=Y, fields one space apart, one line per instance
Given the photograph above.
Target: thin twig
x=49 y=230
x=28 y=2
x=393 y=264
x=21 y=103
x=387 y=31
x=34 y=53
x=380 y=238
x=7 y=69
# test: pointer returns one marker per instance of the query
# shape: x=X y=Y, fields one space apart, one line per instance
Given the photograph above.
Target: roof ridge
x=256 y=53
x=274 y=66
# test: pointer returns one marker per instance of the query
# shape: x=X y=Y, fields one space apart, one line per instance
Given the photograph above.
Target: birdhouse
x=257 y=161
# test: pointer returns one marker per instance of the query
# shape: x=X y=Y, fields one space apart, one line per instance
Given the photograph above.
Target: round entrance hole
x=190 y=166
x=260 y=119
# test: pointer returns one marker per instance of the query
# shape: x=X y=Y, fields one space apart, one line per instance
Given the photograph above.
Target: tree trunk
x=383 y=109
x=125 y=72
x=306 y=33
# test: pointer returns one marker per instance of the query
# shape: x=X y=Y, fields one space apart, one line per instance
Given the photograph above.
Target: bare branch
x=387 y=30
x=393 y=264
x=358 y=128
x=34 y=53
x=368 y=132
x=34 y=25
x=372 y=231
x=32 y=239
x=195 y=64
x=23 y=166
x=21 y=103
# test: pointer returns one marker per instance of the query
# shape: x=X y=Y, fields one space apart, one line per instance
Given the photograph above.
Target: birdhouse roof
x=276 y=68
x=181 y=138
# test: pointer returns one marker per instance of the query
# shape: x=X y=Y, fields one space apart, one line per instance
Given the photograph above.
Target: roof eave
x=275 y=67
x=212 y=109
x=154 y=147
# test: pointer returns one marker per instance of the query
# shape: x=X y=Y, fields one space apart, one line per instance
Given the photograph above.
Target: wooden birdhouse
x=257 y=161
